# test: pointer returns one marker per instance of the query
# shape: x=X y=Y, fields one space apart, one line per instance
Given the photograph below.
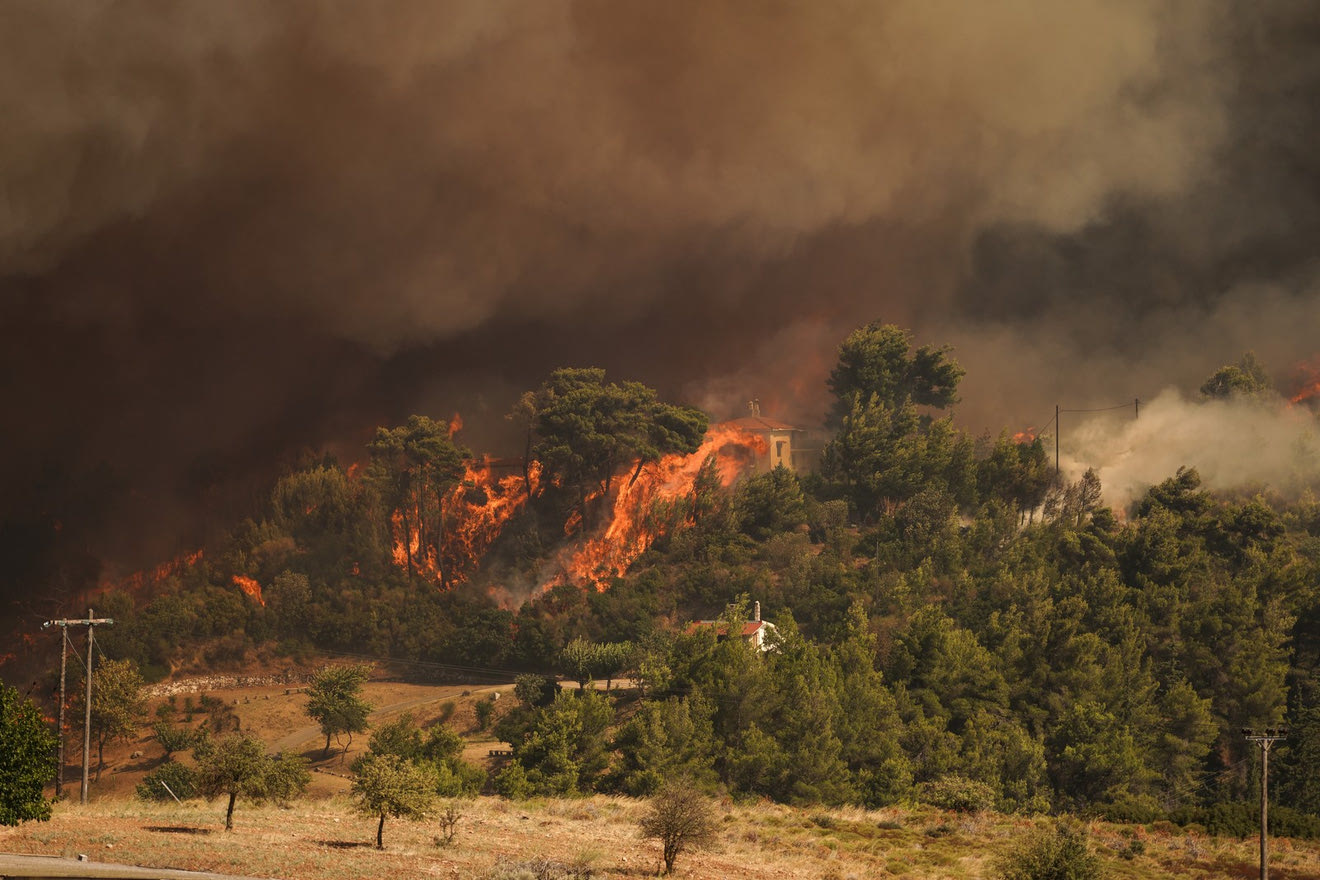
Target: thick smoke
x=232 y=230
x=1234 y=444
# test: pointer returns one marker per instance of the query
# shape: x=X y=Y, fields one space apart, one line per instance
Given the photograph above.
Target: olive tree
x=388 y=785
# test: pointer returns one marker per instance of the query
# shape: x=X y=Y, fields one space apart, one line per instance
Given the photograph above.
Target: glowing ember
x=632 y=526
x=1306 y=382
x=250 y=588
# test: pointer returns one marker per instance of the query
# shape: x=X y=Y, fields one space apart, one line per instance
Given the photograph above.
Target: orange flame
x=139 y=581
x=474 y=513
x=1027 y=436
x=632 y=527
x=455 y=425
x=1306 y=381
x=250 y=588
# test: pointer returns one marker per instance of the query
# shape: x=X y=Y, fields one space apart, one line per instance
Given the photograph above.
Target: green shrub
x=180 y=778
x=485 y=710
x=512 y=782
x=1061 y=854
x=1243 y=820
x=1131 y=809
x=959 y=794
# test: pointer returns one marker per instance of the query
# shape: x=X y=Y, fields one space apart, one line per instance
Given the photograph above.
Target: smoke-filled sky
x=233 y=231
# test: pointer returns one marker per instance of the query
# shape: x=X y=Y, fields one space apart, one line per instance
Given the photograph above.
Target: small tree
x=117 y=704
x=1061 y=854
x=387 y=785
x=27 y=760
x=334 y=700
x=681 y=818
x=173 y=739
x=237 y=766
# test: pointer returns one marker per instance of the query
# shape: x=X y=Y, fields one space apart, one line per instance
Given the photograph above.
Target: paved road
x=55 y=867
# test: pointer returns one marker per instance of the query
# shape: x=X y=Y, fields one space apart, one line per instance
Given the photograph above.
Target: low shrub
x=181 y=779
x=959 y=794
x=1060 y=854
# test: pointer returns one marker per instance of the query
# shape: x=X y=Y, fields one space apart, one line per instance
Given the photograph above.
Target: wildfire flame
x=1027 y=436
x=140 y=581
x=474 y=513
x=1306 y=381
x=250 y=588
x=631 y=527
x=455 y=425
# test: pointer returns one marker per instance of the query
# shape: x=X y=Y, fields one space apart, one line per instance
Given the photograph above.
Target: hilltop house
x=755 y=632
x=785 y=444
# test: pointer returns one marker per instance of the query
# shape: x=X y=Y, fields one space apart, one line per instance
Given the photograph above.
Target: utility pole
x=1264 y=738
x=1058 y=429
x=1136 y=408
x=91 y=622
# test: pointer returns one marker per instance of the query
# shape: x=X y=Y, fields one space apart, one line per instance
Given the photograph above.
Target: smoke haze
x=229 y=231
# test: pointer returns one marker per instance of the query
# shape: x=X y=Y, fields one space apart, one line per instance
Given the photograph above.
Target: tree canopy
x=877 y=361
x=334 y=701
x=1247 y=378
x=587 y=431
x=27 y=760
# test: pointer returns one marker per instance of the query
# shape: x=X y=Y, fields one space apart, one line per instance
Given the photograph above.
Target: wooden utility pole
x=1058 y=429
x=91 y=622
x=1264 y=738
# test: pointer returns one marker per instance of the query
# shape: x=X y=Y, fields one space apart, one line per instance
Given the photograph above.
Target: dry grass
x=597 y=837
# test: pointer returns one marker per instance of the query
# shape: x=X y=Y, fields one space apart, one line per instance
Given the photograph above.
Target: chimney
x=756 y=611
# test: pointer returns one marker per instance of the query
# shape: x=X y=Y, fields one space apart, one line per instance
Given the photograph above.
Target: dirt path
x=298 y=738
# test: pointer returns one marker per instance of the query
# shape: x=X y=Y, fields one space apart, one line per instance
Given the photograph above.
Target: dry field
x=320 y=837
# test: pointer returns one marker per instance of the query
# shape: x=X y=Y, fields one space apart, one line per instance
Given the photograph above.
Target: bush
x=180 y=778
x=681 y=818
x=959 y=794
x=1061 y=854
x=1243 y=820
x=485 y=710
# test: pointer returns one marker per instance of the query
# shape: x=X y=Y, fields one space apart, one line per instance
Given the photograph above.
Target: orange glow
x=140 y=581
x=455 y=425
x=1306 y=381
x=250 y=588
x=631 y=527
x=474 y=513
x=1027 y=436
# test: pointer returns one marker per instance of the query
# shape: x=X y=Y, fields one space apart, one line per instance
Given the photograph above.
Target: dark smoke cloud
x=232 y=230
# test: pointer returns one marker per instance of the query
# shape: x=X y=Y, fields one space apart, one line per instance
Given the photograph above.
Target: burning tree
x=414 y=466
x=585 y=432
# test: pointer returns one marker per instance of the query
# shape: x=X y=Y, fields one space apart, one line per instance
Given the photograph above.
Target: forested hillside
x=952 y=621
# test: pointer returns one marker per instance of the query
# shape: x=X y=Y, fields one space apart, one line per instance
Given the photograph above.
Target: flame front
x=632 y=526
x=474 y=512
x=1306 y=381
x=1027 y=436
x=250 y=588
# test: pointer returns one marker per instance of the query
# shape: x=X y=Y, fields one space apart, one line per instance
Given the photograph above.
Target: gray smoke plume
x=231 y=230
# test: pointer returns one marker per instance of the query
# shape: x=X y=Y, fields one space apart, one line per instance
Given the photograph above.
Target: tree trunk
x=380 y=833
x=326 y=753
x=229 y=813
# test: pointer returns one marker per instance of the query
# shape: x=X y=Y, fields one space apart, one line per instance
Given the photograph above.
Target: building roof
x=761 y=423
x=749 y=627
